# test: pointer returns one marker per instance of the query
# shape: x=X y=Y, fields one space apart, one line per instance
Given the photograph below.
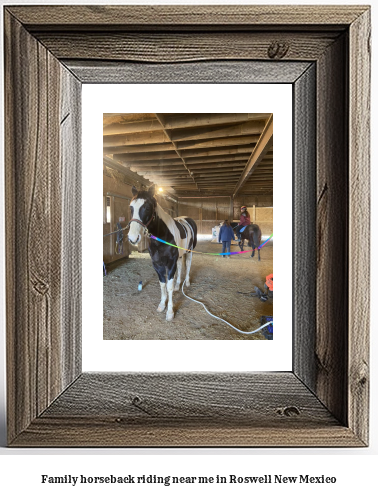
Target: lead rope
x=224 y=321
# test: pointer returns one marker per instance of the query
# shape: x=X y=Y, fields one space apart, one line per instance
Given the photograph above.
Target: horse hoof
x=187 y=283
x=169 y=316
x=176 y=288
x=161 y=308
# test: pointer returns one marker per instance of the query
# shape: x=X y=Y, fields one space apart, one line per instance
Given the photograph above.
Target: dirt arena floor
x=215 y=281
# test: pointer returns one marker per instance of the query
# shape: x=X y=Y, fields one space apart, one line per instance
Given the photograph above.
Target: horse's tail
x=193 y=227
x=255 y=237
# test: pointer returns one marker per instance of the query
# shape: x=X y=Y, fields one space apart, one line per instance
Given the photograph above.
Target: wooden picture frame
x=49 y=52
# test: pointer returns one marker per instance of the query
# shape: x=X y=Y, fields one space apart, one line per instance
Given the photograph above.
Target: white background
x=355 y=468
x=181 y=355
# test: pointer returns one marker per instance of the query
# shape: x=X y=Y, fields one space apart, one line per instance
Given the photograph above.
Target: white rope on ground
x=224 y=321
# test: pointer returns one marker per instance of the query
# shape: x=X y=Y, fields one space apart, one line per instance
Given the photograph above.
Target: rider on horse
x=245 y=220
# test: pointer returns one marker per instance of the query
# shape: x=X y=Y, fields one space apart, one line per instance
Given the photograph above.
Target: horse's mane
x=169 y=222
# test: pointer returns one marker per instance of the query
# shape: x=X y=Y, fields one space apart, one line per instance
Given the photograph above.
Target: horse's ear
x=134 y=191
x=151 y=190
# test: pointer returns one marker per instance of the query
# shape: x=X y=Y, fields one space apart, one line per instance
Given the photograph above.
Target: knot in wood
x=363 y=381
x=41 y=287
x=277 y=50
x=136 y=400
x=288 y=411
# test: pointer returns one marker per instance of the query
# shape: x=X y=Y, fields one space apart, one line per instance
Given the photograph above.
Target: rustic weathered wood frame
x=49 y=52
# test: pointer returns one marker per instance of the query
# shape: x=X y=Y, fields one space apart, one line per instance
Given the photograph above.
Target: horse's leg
x=188 y=263
x=178 y=273
x=163 y=300
x=163 y=287
x=171 y=275
x=258 y=251
x=253 y=250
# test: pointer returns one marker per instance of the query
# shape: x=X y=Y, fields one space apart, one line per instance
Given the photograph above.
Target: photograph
x=188 y=217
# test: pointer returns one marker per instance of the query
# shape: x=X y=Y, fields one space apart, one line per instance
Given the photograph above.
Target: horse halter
x=141 y=223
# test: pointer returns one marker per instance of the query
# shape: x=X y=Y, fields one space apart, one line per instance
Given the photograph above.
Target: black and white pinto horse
x=251 y=234
x=147 y=215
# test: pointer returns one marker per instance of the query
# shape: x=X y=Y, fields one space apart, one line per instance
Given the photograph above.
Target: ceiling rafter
x=263 y=145
x=160 y=118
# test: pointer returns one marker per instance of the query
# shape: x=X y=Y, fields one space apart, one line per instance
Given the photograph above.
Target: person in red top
x=245 y=220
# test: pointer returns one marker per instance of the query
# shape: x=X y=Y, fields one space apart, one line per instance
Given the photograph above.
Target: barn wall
x=207 y=212
x=118 y=187
x=211 y=211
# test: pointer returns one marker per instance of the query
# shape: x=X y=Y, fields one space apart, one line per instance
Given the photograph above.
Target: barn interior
x=204 y=166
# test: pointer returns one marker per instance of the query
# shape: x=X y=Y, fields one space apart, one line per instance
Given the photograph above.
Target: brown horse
x=251 y=234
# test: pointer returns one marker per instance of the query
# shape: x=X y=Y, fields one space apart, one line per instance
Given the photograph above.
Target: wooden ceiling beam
x=188 y=180
x=203 y=119
x=218 y=183
x=178 y=169
x=139 y=149
x=183 y=175
x=157 y=136
x=204 y=152
x=246 y=128
x=213 y=166
x=235 y=170
x=217 y=159
x=129 y=128
x=162 y=172
x=166 y=156
x=212 y=143
x=263 y=145
x=260 y=176
x=218 y=176
x=109 y=118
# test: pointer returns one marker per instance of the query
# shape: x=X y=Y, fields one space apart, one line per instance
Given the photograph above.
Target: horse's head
x=233 y=225
x=142 y=208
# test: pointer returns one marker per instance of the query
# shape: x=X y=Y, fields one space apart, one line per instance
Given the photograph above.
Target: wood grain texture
x=70 y=161
x=179 y=47
x=199 y=72
x=304 y=242
x=359 y=226
x=196 y=409
x=219 y=396
x=100 y=432
x=33 y=228
x=253 y=16
x=332 y=230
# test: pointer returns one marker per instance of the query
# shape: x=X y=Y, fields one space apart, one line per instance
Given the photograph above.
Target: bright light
x=160 y=190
